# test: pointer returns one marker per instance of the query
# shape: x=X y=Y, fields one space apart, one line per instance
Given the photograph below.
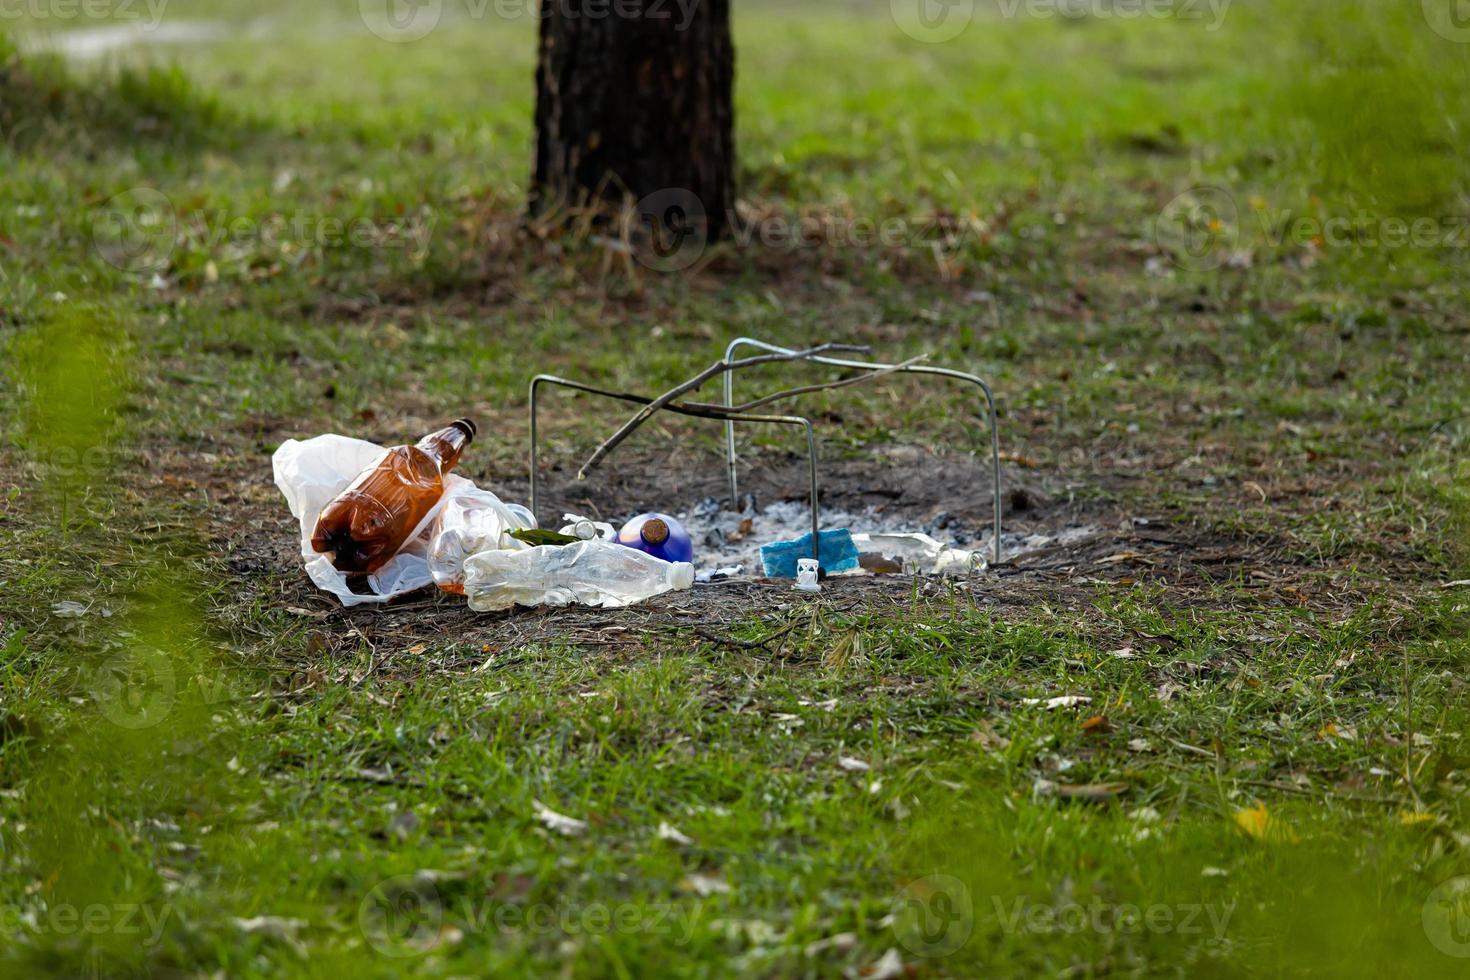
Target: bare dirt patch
x=1123 y=547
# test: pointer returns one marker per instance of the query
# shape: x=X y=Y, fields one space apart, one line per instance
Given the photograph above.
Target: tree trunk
x=634 y=103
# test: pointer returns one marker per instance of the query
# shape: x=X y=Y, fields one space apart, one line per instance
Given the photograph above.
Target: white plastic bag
x=920 y=553
x=312 y=472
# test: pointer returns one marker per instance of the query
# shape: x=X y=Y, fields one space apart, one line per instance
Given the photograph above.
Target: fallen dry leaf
x=1086 y=792
x=671 y=833
x=705 y=885
x=745 y=530
x=886 y=967
x=1257 y=823
x=988 y=739
x=274 y=927
x=841 y=943
x=270 y=925
x=1019 y=460
x=1065 y=701
x=559 y=822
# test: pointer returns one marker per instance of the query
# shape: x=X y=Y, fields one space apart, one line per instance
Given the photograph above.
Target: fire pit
x=729 y=412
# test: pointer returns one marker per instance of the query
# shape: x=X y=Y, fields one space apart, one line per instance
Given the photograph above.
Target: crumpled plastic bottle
x=469 y=524
x=591 y=573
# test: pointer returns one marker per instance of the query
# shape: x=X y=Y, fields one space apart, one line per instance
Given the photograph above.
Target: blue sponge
x=838 y=553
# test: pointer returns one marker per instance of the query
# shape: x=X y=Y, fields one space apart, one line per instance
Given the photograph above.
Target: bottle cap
x=654 y=531
x=681 y=575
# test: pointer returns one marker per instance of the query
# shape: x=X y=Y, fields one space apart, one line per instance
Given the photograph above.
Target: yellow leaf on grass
x=1333 y=730
x=1256 y=822
x=1414 y=818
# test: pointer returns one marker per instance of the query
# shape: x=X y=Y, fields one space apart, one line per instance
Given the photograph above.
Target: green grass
x=366 y=787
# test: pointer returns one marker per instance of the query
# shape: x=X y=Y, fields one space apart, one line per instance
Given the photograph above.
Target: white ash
x=720 y=544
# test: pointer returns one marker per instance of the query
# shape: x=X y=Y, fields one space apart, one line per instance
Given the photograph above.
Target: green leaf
x=540 y=536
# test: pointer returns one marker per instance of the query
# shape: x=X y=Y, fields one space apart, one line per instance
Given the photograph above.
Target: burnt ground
x=1185 y=560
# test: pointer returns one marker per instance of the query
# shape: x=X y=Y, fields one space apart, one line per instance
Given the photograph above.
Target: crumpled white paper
x=311 y=472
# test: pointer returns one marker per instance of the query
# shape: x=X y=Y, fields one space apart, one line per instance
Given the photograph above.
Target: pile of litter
x=768 y=539
x=378 y=523
x=381 y=522
x=729 y=544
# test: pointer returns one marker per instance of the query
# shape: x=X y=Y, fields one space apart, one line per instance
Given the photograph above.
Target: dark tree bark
x=634 y=102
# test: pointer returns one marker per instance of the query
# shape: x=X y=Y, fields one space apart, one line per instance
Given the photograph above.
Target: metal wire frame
x=739 y=342
x=677 y=409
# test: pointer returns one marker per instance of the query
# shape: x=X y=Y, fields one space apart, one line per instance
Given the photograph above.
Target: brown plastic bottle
x=365 y=525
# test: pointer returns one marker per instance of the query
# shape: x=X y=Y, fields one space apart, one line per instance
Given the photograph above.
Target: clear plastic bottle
x=590 y=573
x=366 y=524
x=469 y=524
